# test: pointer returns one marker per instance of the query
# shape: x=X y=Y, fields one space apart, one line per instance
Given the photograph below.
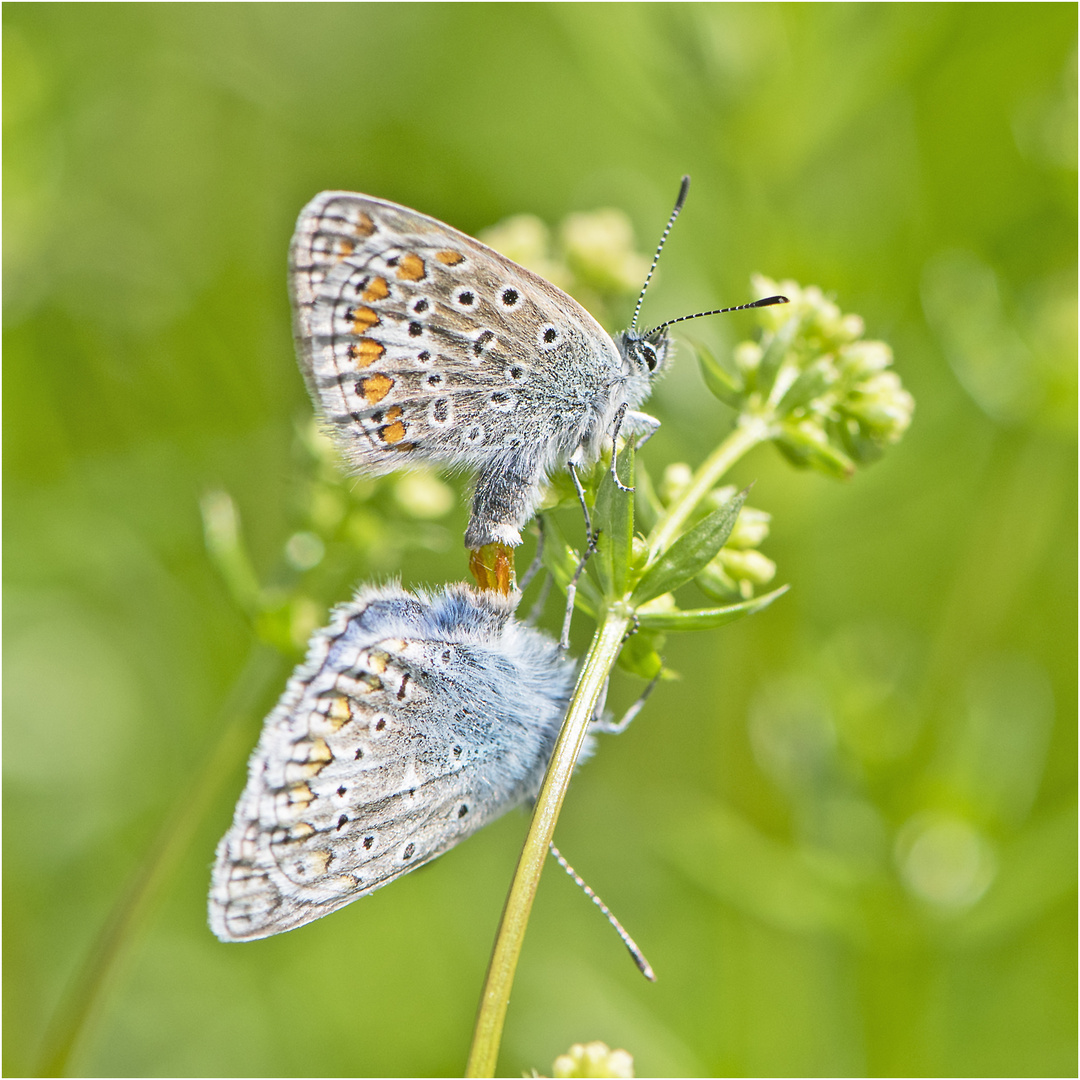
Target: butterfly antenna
x=684 y=190
x=643 y=965
x=571 y=591
x=767 y=302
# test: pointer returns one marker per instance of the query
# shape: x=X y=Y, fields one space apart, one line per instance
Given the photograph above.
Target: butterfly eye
x=650 y=356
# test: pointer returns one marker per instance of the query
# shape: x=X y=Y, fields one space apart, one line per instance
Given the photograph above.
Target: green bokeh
x=846 y=838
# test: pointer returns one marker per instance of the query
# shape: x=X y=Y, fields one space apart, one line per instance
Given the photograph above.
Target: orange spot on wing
x=392 y=433
x=393 y=412
x=375 y=387
x=364 y=225
x=339 y=713
x=319 y=752
x=363 y=318
x=299 y=795
x=376 y=290
x=365 y=351
x=411 y=268
x=449 y=258
x=342 y=247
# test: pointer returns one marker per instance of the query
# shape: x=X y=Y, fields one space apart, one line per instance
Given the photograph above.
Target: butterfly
x=415 y=719
x=422 y=345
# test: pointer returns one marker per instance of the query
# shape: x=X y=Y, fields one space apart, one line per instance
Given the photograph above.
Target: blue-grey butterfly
x=420 y=344
x=415 y=719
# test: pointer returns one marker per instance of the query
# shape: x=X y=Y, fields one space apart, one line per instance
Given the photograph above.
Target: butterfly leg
x=538 y=607
x=538 y=558
x=538 y=561
x=572 y=467
x=642 y=425
x=619 y=417
x=571 y=593
x=617 y=727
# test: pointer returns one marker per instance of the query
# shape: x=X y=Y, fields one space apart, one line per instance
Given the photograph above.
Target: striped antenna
x=684 y=190
x=643 y=965
x=767 y=302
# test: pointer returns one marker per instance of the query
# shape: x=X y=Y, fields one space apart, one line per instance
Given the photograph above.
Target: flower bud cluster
x=594 y=1059
x=838 y=402
x=830 y=397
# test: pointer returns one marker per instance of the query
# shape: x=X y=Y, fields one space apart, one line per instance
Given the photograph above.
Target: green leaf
x=690 y=554
x=725 y=386
x=706 y=618
x=614 y=517
x=562 y=560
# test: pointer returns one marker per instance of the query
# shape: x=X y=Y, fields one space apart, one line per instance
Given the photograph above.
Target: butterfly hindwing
x=414 y=721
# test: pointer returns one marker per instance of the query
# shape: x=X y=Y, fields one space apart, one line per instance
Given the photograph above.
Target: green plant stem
x=747 y=433
x=484 y=1054
x=90 y=985
x=604 y=651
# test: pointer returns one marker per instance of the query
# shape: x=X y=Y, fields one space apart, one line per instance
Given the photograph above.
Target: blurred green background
x=846 y=838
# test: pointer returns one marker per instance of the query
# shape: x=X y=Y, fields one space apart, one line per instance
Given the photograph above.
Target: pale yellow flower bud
x=749 y=566
x=594 y=1059
x=751 y=528
x=676 y=480
x=748 y=354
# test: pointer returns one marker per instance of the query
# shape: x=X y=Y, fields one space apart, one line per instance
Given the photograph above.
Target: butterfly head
x=644 y=355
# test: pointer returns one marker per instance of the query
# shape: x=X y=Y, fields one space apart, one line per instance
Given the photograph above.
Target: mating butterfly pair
x=416 y=719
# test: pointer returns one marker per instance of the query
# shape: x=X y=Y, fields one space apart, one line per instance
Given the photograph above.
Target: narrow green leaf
x=614 y=517
x=689 y=554
x=562 y=560
x=706 y=618
x=723 y=385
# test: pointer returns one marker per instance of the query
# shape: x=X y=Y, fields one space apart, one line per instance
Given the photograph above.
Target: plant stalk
x=484 y=1054
x=747 y=433
x=604 y=651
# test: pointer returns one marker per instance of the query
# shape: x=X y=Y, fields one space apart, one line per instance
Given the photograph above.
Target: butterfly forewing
x=419 y=342
x=412 y=722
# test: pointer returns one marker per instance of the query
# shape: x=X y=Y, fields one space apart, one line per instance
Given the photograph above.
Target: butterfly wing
x=420 y=344
x=399 y=736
